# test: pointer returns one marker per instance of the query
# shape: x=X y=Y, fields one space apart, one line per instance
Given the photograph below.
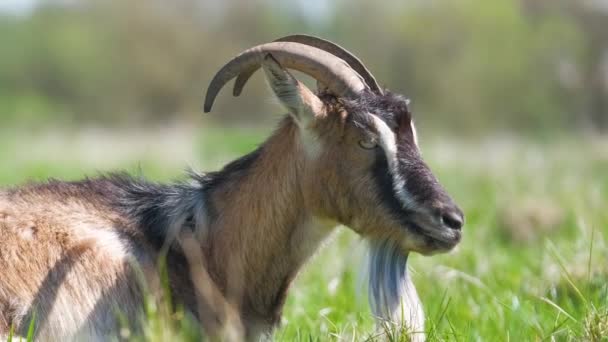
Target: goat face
x=369 y=175
x=363 y=167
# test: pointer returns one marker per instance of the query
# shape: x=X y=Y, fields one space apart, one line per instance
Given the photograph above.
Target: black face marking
x=420 y=185
x=384 y=183
x=420 y=182
x=391 y=108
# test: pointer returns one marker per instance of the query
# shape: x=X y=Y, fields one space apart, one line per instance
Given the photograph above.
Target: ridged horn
x=330 y=70
x=322 y=44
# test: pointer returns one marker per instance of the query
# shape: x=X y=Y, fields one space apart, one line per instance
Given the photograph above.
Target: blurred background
x=527 y=66
x=510 y=98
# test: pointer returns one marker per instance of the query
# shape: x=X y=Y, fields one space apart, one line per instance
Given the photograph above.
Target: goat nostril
x=453 y=220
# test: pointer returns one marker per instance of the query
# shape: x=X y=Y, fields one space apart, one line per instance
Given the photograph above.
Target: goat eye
x=368 y=144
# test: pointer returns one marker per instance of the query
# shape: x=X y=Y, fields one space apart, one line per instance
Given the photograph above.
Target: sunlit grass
x=517 y=276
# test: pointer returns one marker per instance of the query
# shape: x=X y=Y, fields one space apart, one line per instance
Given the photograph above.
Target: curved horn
x=323 y=66
x=322 y=44
x=339 y=51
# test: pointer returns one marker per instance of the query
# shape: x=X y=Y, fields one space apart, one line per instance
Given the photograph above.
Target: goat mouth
x=439 y=239
x=436 y=237
x=444 y=244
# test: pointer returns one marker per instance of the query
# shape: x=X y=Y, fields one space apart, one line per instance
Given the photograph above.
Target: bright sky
x=17 y=6
x=315 y=7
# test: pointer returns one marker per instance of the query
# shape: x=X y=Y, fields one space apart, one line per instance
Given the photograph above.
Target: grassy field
x=533 y=264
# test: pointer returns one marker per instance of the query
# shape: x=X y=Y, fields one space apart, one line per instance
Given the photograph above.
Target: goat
x=234 y=239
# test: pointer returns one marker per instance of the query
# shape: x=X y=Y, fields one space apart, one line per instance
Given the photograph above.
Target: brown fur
x=52 y=263
x=48 y=259
x=72 y=252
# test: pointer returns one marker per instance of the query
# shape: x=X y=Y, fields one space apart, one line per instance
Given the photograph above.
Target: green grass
x=533 y=264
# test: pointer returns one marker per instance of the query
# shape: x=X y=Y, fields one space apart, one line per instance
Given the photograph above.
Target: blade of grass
x=561 y=264
x=31 y=330
x=590 y=255
x=10 y=333
x=558 y=308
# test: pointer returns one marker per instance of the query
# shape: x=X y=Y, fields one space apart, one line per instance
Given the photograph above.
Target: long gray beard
x=392 y=295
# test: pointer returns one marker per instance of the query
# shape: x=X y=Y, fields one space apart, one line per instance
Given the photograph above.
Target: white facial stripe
x=414 y=132
x=388 y=141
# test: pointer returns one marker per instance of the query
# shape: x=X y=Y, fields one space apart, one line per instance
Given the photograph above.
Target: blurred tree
x=588 y=76
x=469 y=66
x=592 y=18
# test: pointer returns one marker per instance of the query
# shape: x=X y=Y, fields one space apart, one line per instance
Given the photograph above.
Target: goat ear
x=302 y=103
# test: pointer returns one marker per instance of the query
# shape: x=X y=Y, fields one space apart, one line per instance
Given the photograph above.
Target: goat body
x=72 y=252
x=77 y=254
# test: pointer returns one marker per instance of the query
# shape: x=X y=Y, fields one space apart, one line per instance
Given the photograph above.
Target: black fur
x=384 y=183
x=148 y=210
x=390 y=107
x=152 y=208
x=420 y=182
x=156 y=207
